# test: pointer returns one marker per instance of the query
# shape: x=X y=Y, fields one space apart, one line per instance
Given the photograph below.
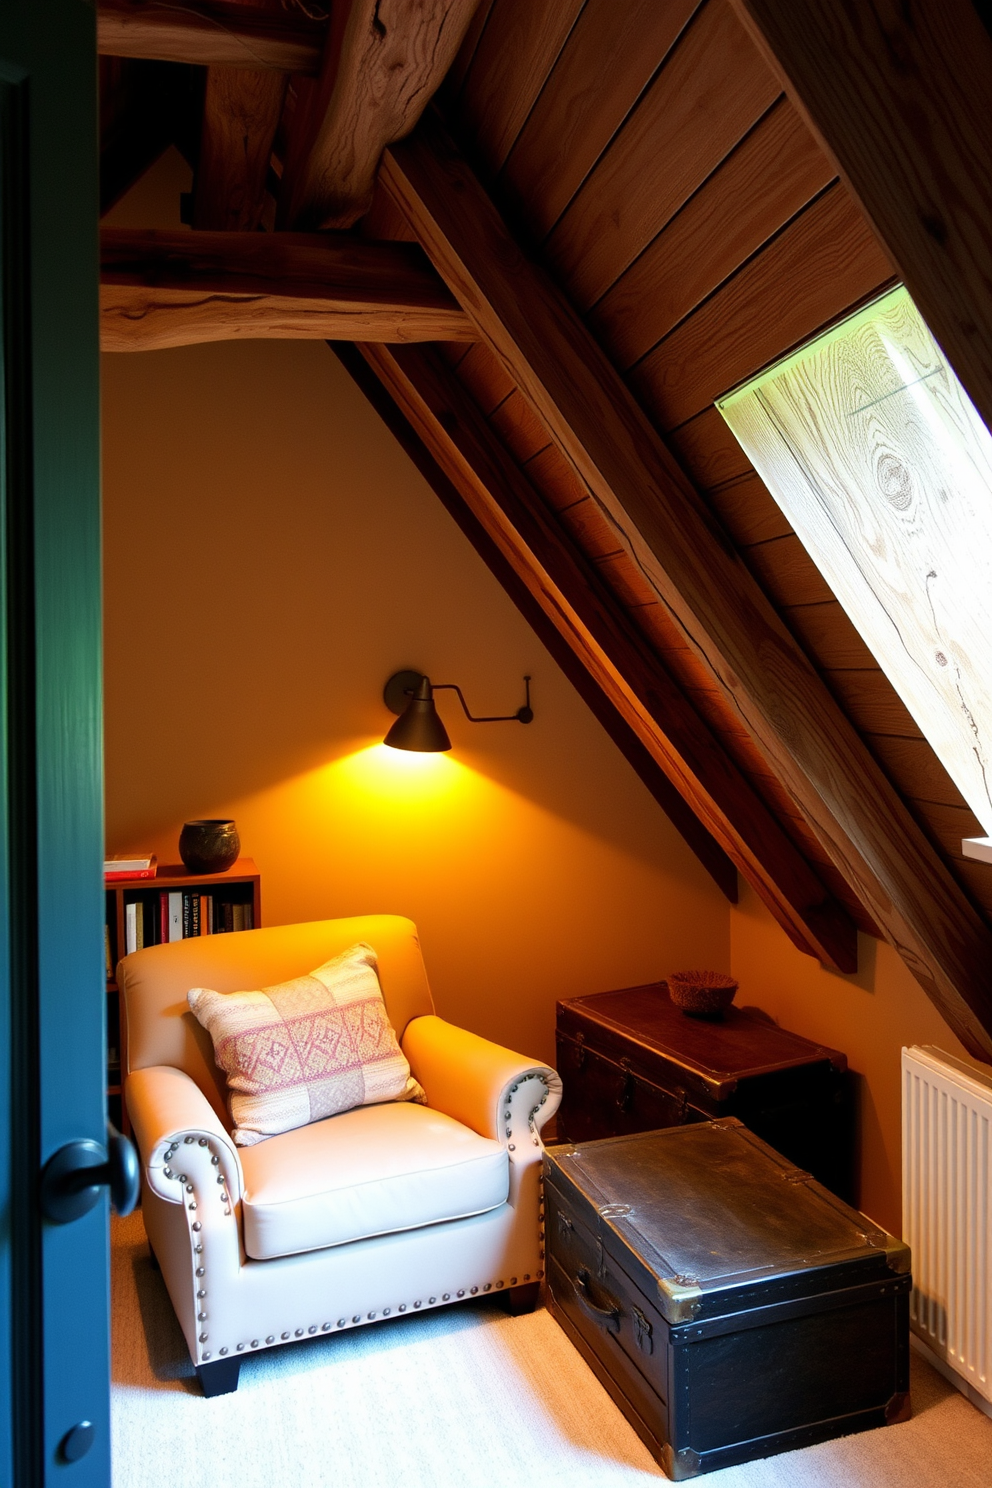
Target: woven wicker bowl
x=702 y=994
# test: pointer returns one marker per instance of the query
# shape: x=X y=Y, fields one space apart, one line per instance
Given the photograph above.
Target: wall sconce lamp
x=411 y=695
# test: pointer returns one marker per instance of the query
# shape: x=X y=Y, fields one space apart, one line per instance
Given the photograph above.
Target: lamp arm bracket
x=522 y=715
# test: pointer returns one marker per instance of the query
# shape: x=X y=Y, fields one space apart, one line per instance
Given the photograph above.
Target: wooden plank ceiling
x=623 y=215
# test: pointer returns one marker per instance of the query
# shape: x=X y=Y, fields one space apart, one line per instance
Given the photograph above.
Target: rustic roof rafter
x=727 y=621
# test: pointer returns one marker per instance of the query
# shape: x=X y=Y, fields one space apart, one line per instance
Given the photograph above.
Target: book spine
x=130 y=928
x=163 y=917
x=186 y=908
x=139 y=925
x=106 y=950
x=124 y=877
x=175 y=915
x=228 y=915
x=249 y=917
x=194 y=914
x=206 y=914
x=238 y=916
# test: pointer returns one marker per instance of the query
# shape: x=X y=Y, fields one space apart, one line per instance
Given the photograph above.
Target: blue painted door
x=54 y=1357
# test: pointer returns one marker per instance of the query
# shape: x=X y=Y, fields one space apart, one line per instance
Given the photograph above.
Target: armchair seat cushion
x=371 y=1171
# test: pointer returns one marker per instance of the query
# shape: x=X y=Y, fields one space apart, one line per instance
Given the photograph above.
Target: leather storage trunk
x=630 y=1061
x=731 y=1306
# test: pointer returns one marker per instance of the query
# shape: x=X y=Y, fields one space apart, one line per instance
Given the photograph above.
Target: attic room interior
x=441 y=344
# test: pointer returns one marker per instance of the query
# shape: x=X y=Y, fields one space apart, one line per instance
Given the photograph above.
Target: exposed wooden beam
x=241 y=111
x=706 y=849
x=726 y=619
x=577 y=600
x=209 y=36
x=163 y=288
x=382 y=63
x=899 y=95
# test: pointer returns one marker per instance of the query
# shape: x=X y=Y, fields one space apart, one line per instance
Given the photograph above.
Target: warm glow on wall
x=379 y=776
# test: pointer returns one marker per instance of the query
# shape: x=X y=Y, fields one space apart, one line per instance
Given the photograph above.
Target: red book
x=124 y=866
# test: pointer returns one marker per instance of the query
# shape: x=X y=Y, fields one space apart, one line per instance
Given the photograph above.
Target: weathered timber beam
x=161 y=288
x=695 y=835
x=382 y=63
x=208 y=36
x=241 y=111
x=602 y=635
x=899 y=96
x=725 y=617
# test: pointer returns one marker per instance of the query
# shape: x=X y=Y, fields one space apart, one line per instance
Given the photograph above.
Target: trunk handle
x=610 y=1316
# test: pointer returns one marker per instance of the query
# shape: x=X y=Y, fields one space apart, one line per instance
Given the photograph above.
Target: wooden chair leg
x=520 y=1299
x=220 y=1377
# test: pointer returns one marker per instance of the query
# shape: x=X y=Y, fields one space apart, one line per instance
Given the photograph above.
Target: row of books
x=179 y=915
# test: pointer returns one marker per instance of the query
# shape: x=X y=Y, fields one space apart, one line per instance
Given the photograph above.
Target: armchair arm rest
x=175 y=1125
x=472 y=1080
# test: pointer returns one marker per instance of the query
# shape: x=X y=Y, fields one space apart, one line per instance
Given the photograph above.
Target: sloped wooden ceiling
x=629 y=216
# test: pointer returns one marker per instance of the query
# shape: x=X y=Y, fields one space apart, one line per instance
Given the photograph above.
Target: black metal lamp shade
x=411 y=695
x=418 y=727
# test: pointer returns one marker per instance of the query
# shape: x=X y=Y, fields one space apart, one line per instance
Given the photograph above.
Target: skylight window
x=877 y=457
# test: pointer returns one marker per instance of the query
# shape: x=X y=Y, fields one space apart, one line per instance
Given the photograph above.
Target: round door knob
x=77 y=1441
x=73 y=1177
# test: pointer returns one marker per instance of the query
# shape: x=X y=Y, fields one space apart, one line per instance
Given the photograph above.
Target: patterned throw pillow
x=307 y=1048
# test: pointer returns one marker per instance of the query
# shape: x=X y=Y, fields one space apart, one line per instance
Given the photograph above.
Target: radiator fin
x=947 y=1209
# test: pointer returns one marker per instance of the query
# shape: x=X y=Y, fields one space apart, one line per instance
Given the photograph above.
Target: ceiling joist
x=725 y=618
x=163 y=288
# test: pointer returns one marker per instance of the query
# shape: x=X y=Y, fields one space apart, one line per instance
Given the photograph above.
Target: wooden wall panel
x=786 y=572
x=828 y=637
x=706 y=449
x=451 y=89
x=826 y=260
x=765 y=180
x=702 y=231
x=870 y=701
x=556 y=479
x=516 y=51
x=520 y=429
x=748 y=512
x=712 y=90
x=484 y=375
x=608 y=60
x=916 y=770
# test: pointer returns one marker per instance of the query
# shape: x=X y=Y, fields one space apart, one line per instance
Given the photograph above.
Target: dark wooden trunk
x=630 y=1061
x=731 y=1306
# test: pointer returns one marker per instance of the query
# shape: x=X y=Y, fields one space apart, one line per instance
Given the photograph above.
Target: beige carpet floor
x=465 y=1398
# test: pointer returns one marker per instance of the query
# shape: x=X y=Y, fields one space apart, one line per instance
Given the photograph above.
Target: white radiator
x=947 y=1214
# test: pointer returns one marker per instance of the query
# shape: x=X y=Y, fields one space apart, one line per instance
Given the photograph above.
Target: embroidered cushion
x=307 y=1048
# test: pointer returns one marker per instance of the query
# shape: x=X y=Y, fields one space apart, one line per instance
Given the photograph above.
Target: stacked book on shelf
x=125 y=865
x=181 y=914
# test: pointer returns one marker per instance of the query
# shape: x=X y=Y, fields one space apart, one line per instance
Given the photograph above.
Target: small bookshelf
x=207 y=903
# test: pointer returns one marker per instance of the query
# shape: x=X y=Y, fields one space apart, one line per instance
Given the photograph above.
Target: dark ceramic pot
x=209 y=846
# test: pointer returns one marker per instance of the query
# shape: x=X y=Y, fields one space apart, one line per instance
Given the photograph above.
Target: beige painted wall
x=869 y=1015
x=271 y=556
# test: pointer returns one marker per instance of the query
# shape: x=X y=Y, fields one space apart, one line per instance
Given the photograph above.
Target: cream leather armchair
x=381 y=1211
